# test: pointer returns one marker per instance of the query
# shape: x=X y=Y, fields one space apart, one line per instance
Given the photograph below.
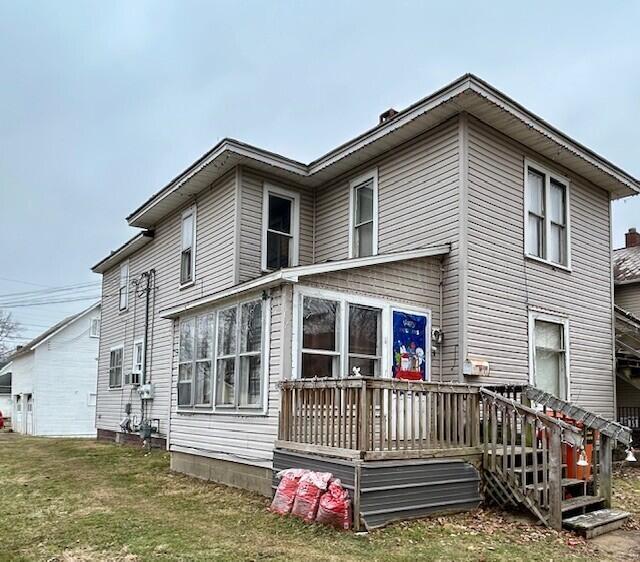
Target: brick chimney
x=632 y=239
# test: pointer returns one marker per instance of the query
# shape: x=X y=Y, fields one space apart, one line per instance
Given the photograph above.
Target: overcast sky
x=101 y=103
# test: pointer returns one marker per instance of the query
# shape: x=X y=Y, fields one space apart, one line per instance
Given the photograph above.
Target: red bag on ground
x=286 y=492
x=311 y=486
x=334 y=508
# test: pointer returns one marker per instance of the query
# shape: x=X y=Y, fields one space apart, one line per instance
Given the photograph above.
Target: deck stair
x=525 y=463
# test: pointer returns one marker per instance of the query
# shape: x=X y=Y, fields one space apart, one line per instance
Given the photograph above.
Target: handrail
x=569 y=433
x=377 y=382
x=611 y=429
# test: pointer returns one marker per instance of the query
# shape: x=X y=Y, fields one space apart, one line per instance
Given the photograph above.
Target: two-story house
x=460 y=240
x=626 y=271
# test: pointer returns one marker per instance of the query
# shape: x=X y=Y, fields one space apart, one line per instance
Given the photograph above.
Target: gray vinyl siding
x=628 y=297
x=214 y=271
x=250 y=250
x=503 y=286
x=418 y=197
x=414 y=283
x=242 y=438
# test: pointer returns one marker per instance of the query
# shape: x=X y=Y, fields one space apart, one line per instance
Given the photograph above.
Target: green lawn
x=69 y=499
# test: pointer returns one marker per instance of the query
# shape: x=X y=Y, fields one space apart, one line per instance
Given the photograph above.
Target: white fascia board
x=128 y=248
x=6 y=369
x=265 y=282
x=293 y=274
x=67 y=324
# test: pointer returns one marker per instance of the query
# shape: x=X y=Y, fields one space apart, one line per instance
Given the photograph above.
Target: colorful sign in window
x=410 y=346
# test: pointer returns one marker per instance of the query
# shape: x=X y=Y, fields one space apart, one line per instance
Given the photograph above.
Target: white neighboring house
x=53 y=379
x=6 y=406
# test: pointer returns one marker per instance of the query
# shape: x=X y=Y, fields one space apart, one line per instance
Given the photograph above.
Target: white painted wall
x=61 y=374
x=6 y=405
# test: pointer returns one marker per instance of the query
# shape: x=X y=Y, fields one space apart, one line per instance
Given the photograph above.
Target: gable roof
x=49 y=333
x=467 y=94
x=626 y=265
x=293 y=274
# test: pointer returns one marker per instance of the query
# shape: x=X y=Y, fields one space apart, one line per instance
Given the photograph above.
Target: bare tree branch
x=8 y=330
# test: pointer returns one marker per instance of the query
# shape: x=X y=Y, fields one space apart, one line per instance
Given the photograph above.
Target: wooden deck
x=380 y=419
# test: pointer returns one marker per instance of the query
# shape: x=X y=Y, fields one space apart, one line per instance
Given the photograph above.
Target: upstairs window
x=549 y=354
x=123 y=292
x=187 y=255
x=364 y=215
x=115 y=367
x=547 y=224
x=280 y=228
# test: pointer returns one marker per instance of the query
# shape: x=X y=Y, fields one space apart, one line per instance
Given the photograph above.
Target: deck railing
x=629 y=416
x=372 y=418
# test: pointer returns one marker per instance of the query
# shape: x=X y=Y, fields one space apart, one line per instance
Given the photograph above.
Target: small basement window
x=279 y=228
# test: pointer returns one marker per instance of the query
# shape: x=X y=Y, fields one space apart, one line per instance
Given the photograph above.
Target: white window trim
x=295 y=222
x=344 y=299
x=128 y=266
x=133 y=360
x=244 y=411
x=549 y=174
x=91 y=333
x=112 y=349
x=554 y=319
x=192 y=210
x=371 y=174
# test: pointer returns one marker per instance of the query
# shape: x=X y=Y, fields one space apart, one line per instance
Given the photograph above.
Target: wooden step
x=566 y=483
x=596 y=522
x=580 y=502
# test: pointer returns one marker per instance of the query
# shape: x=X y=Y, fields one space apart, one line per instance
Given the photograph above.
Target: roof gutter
x=293 y=274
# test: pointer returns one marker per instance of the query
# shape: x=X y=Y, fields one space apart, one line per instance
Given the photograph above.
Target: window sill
x=122 y=311
x=191 y=410
x=115 y=387
x=186 y=285
x=548 y=263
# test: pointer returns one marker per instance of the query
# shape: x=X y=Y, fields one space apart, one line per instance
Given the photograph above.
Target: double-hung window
x=365 y=337
x=239 y=351
x=549 y=361
x=115 y=367
x=94 y=328
x=320 y=338
x=137 y=362
x=363 y=234
x=195 y=361
x=280 y=228
x=187 y=254
x=123 y=292
x=333 y=348
x=546 y=221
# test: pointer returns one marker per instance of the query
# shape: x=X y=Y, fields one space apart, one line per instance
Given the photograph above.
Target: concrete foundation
x=129 y=439
x=248 y=477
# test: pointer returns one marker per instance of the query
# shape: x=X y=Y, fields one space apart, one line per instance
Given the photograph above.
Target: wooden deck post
x=363 y=430
x=555 y=480
x=606 y=468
